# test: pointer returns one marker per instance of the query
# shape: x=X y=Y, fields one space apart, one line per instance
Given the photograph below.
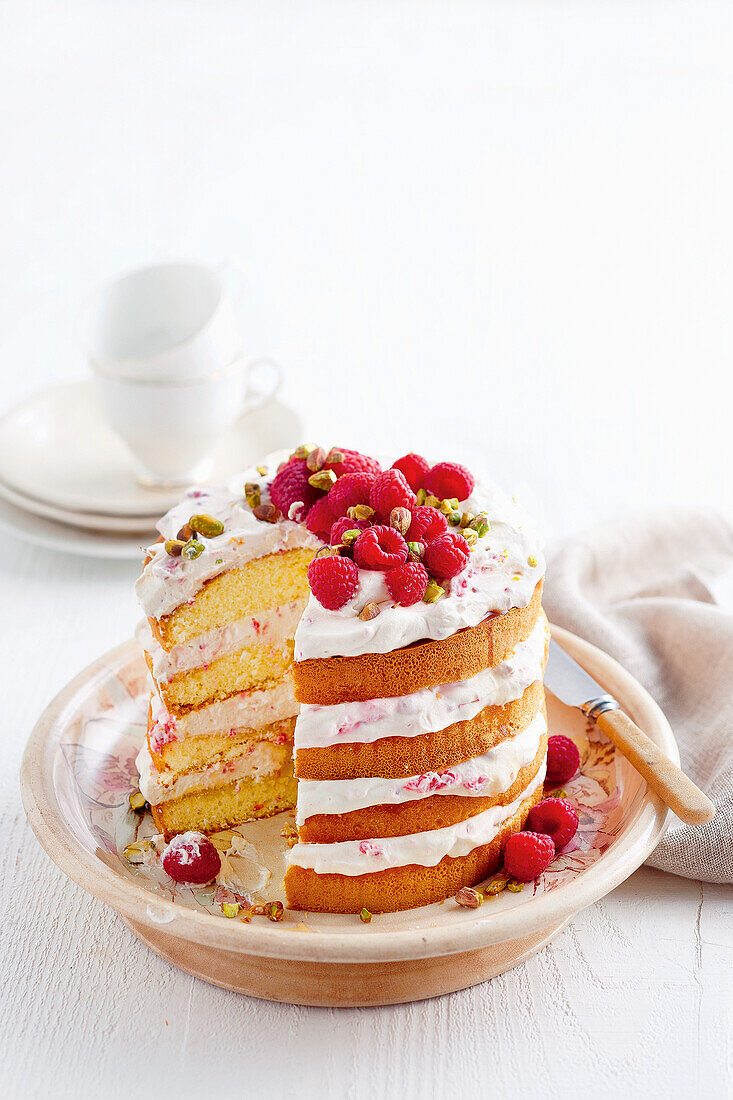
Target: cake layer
x=271 y=627
x=254 y=759
x=423 y=664
x=393 y=885
x=439 y=801
x=254 y=667
x=196 y=752
x=429 y=710
x=265 y=582
x=398 y=757
x=227 y=806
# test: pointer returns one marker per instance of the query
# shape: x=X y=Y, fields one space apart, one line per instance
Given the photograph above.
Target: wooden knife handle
x=668 y=781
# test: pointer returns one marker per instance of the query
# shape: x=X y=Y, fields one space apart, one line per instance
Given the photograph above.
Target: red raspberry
x=556 y=818
x=563 y=759
x=191 y=857
x=427 y=523
x=407 y=583
x=380 y=548
x=527 y=855
x=448 y=479
x=343 y=523
x=320 y=518
x=349 y=490
x=290 y=484
x=333 y=581
x=353 y=463
x=414 y=467
x=390 y=490
x=447 y=555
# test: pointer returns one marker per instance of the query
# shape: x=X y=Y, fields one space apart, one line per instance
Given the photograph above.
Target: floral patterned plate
x=78 y=772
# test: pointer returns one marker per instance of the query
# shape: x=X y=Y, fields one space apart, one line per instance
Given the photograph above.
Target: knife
x=572 y=685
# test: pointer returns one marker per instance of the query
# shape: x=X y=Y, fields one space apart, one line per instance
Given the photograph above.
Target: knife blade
x=573 y=686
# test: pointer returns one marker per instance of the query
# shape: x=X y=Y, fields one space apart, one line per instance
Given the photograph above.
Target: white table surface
x=501 y=231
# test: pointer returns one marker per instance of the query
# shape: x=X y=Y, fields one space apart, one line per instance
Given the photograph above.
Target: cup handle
x=255 y=397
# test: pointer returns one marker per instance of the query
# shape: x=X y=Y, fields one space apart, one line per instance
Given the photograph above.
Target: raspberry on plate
x=390 y=490
x=449 y=479
x=343 y=524
x=352 y=463
x=333 y=581
x=290 y=485
x=527 y=855
x=427 y=523
x=380 y=548
x=563 y=759
x=191 y=857
x=350 y=490
x=414 y=467
x=556 y=817
x=319 y=520
x=407 y=583
x=447 y=555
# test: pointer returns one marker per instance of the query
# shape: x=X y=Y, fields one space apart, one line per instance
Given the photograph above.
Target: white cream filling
x=167 y=582
x=428 y=710
x=272 y=627
x=260 y=758
x=481 y=777
x=245 y=710
x=362 y=857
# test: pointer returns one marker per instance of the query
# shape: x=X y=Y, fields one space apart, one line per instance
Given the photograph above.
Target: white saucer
x=57 y=448
x=142 y=527
x=72 y=540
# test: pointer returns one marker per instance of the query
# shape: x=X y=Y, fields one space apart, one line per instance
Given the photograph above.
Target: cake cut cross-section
x=326 y=635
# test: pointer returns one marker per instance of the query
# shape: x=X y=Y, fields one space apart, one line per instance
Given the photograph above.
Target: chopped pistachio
x=315 y=460
x=400 y=519
x=431 y=501
x=559 y=793
x=262 y=471
x=515 y=887
x=470 y=536
x=134 y=852
x=230 y=909
x=421 y=496
x=454 y=518
x=334 y=456
x=323 y=479
x=206 y=525
x=138 y=802
x=349 y=537
x=360 y=511
x=532 y=562
x=174 y=547
x=253 y=494
x=185 y=533
x=496 y=886
x=433 y=592
x=192 y=549
x=365 y=916
x=416 y=548
x=369 y=611
x=274 y=910
x=450 y=504
x=467 y=519
x=303 y=450
x=266 y=513
x=469 y=898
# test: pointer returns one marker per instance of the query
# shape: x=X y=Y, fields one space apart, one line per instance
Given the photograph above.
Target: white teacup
x=166 y=352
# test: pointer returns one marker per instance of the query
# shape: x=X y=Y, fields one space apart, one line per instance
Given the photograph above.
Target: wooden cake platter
x=78 y=771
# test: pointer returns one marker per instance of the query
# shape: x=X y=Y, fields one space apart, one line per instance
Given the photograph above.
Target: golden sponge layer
x=194 y=753
x=257 y=586
x=253 y=666
x=224 y=807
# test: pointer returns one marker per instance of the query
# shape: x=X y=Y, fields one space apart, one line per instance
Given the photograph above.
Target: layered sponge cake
x=366 y=645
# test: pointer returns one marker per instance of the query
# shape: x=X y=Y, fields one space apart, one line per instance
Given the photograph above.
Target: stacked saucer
x=68 y=482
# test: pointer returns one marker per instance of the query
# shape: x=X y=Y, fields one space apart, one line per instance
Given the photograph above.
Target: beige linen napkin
x=651 y=590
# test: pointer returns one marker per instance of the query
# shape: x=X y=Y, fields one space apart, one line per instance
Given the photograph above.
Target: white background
x=495 y=231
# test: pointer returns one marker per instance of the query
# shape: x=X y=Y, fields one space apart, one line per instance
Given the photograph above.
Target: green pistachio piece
x=206 y=525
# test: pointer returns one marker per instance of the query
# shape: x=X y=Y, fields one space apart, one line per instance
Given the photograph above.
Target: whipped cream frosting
x=481 y=777
x=502 y=572
x=271 y=627
x=167 y=582
x=245 y=710
x=259 y=758
x=362 y=857
x=428 y=710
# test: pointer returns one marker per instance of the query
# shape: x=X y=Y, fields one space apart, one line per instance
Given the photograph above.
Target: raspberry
x=380 y=548
x=563 y=759
x=349 y=490
x=290 y=484
x=343 y=523
x=414 y=467
x=556 y=818
x=448 y=479
x=333 y=581
x=191 y=857
x=447 y=555
x=320 y=518
x=353 y=463
x=407 y=583
x=390 y=490
x=527 y=855
x=427 y=523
